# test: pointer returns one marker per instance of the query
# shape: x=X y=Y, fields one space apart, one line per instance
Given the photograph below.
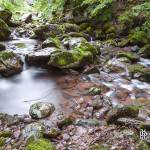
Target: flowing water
x=17 y=93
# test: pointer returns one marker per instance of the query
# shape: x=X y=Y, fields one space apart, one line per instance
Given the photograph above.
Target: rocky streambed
x=71 y=92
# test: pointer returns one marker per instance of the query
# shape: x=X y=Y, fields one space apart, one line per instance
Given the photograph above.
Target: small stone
x=66 y=137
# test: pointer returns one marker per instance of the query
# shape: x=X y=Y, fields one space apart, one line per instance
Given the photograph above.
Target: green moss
x=5 y=134
x=40 y=144
x=133 y=57
x=97 y=147
x=94 y=91
x=2 y=141
x=4 y=55
x=143 y=146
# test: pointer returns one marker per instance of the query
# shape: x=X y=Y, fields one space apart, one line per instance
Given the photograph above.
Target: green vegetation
x=15 y=6
x=40 y=144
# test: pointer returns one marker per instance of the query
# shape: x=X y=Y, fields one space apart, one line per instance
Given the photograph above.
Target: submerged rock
x=41 y=110
x=88 y=122
x=41 y=144
x=10 y=63
x=4 y=31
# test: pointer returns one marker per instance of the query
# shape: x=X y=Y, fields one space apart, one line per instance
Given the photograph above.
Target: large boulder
x=4 y=31
x=41 y=110
x=5 y=15
x=45 y=31
x=40 y=57
x=78 y=57
x=10 y=63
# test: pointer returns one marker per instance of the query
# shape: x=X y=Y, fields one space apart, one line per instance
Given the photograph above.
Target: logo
x=144 y=135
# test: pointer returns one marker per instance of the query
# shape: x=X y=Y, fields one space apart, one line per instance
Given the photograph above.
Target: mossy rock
x=145 y=51
x=10 y=63
x=5 y=15
x=109 y=28
x=126 y=111
x=68 y=27
x=142 y=72
x=123 y=42
x=94 y=91
x=52 y=42
x=66 y=122
x=4 y=31
x=78 y=57
x=133 y=57
x=40 y=144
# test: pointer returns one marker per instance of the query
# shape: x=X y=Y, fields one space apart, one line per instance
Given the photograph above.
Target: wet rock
x=41 y=110
x=87 y=122
x=2 y=47
x=53 y=133
x=126 y=111
x=33 y=131
x=4 y=31
x=10 y=120
x=40 y=57
x=5 y=15
x=72 y=42
x=66 y=122
x=10 y=63
x=94 y=91
x=40 y=144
